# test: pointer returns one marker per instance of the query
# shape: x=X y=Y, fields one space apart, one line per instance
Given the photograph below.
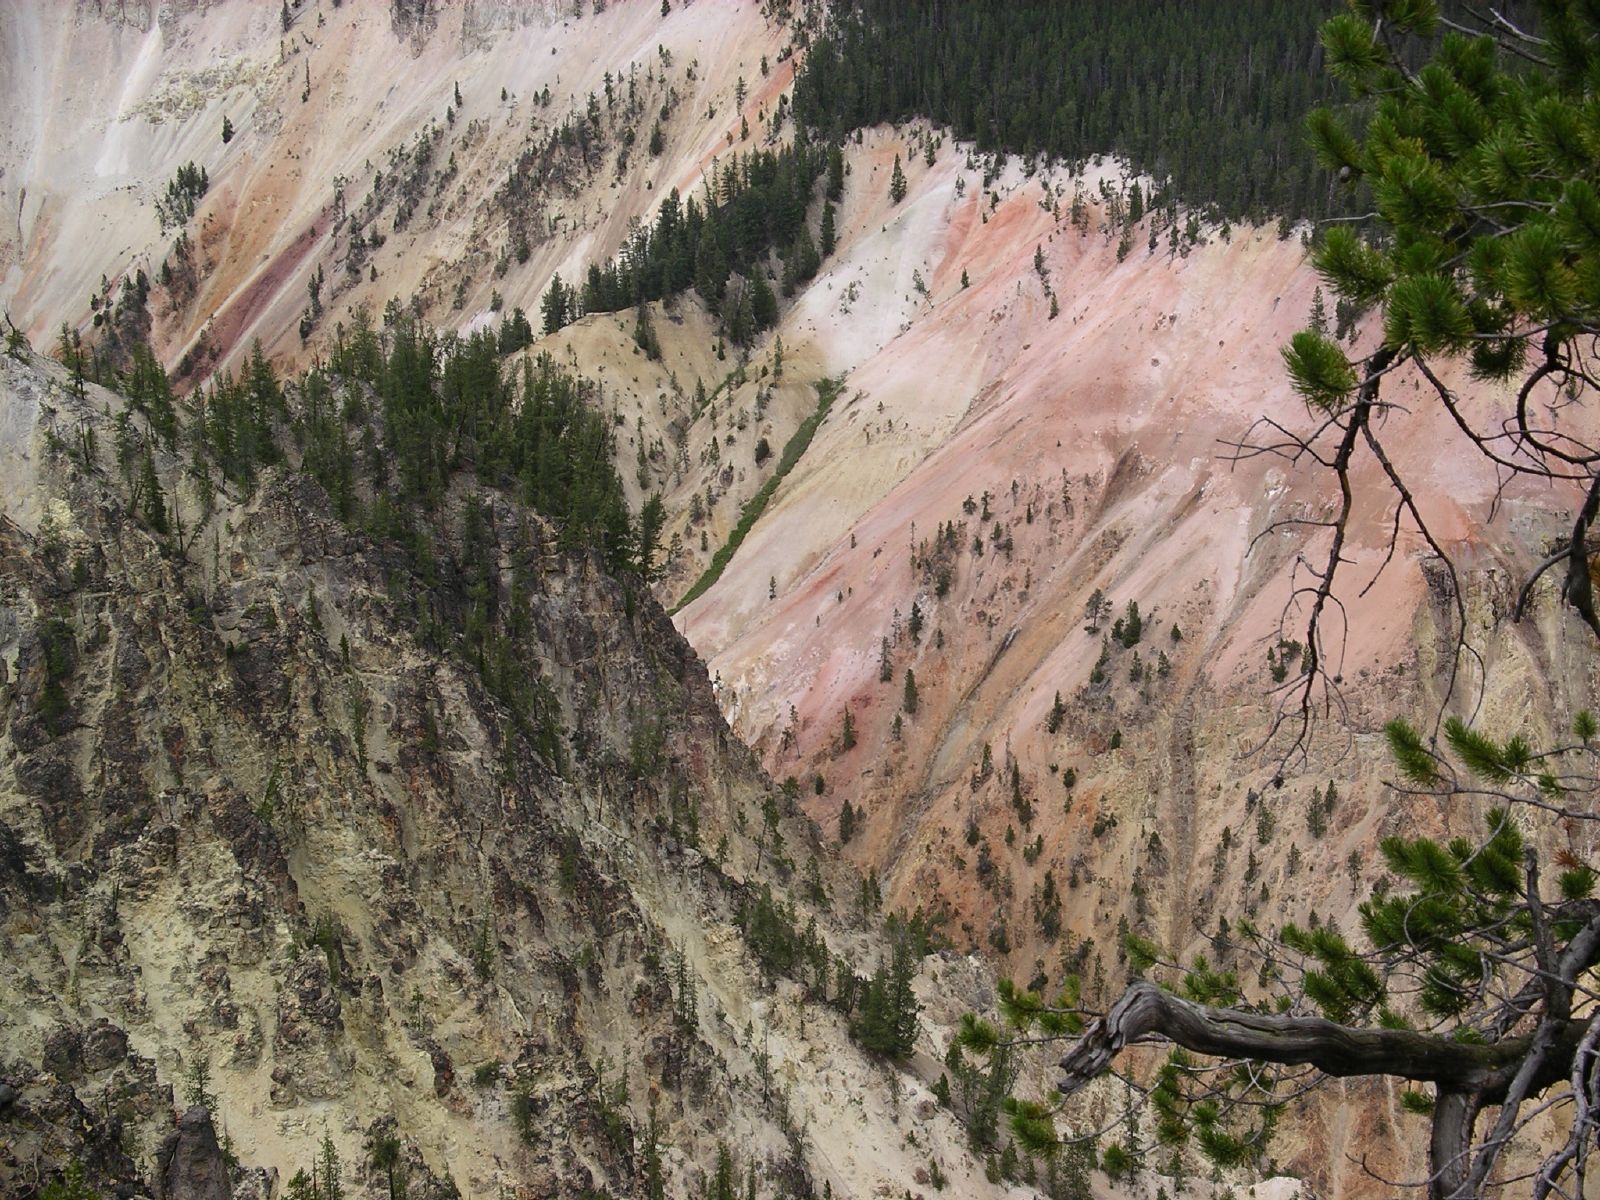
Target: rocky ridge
x=268 y=849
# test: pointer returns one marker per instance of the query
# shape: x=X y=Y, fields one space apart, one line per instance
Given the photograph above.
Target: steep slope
x=1033 y=410
x=266 y=844
x=992 y=467
x=1094 y=443
x=401 y=156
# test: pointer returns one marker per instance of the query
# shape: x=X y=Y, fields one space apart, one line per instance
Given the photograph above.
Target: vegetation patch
x=799 y=441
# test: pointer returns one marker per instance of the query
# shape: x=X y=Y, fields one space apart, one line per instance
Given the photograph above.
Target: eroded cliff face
x=1030 y=413
x=267 y=843
x=988 y=469
x=405 y=150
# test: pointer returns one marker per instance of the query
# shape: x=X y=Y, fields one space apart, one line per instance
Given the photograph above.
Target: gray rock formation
x=262 y=820
x=189 y=1165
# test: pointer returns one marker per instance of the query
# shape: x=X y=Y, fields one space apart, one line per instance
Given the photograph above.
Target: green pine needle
x=1420 y=17
x=976 y=1034
x=1427 y=313
x=1416 y=763
x=1142 y=954
x=1321 y=372
x=1537 y=278
x=1577 y=883
x=1334 y=145
x=1578 y=216
x=1353 y=53
x=1351 y=267
x=1481 y=756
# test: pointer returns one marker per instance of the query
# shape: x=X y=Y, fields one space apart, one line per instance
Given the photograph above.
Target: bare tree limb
x=1468 y=1075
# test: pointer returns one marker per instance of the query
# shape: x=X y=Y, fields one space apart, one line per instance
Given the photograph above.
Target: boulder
x=189 y=1165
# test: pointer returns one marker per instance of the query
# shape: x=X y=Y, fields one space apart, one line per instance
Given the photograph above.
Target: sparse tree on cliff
x=386 y=1158
x=1472 y=975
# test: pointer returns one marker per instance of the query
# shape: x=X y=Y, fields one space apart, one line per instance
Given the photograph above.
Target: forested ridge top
x=1211 y=95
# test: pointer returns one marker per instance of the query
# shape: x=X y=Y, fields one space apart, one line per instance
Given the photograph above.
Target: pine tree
x=655 y=1183
x=332 y=1180
x=197 y=1084
x=908 y=700
x=227 y=129
x=897 y=183
x=888 y=1023
x=69 y=348
x=710 y=267
x=803 y=255
x=828 y=235
x=1132 y=625
x=685 y=1007
x=386 y=1158
x=554 y=305
x=153 y=503
x=1058 y=713
x=723 y=1183
x=763 y=303
x=738 y=314
x=652 y=519
x=1095 y=611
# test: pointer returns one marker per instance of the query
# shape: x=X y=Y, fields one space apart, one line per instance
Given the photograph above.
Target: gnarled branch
x=1145 y=1009
x=1468 y=1075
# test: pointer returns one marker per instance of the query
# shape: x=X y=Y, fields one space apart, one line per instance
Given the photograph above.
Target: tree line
x=1209 y=94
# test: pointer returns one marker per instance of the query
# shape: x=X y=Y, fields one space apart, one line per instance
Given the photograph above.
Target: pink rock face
x=990 y=468
x=993 y=466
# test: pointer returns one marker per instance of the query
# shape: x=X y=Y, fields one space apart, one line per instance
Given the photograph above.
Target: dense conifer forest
x=1211 y=94
x=754 y=203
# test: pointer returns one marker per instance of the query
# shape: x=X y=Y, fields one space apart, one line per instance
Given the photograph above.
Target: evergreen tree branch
x=1468 y=1075
x=1146 y=1010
